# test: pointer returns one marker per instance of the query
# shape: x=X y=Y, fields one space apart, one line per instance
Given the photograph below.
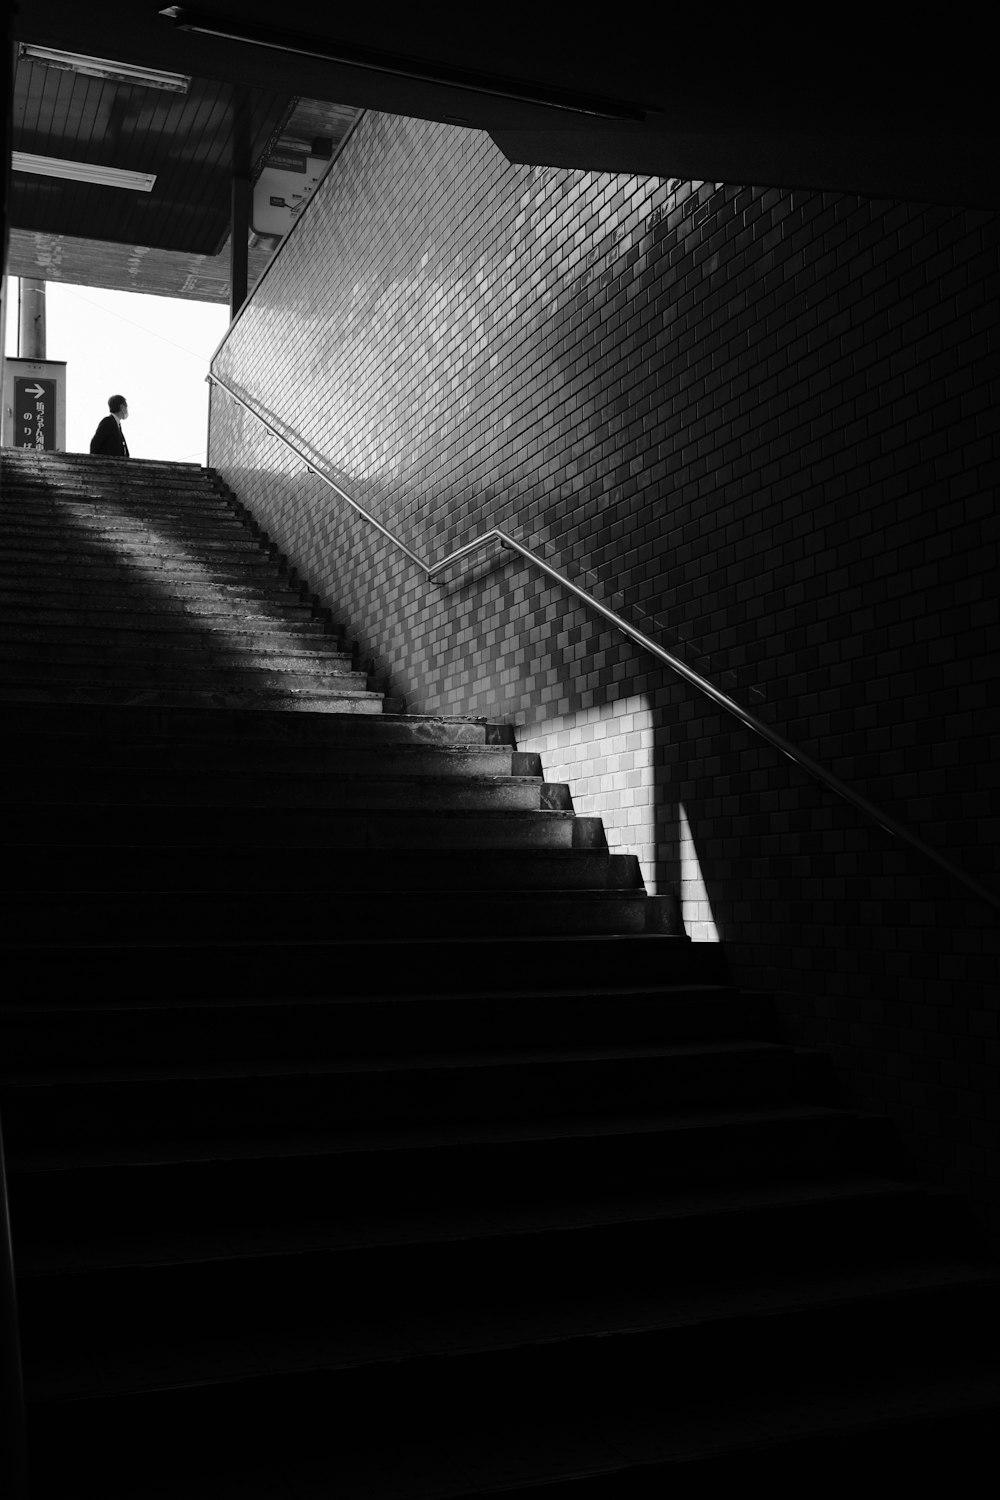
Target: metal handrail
x=805 y=763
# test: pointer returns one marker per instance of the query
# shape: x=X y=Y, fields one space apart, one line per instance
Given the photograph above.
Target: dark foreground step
x=667 y=1257
x=932 y=1427
x=283 y=828
x=185 y=1101
x=48 y=869
x=347 y=967
x=84 y=1029
x=154 y=1202
x=72 y=917
x=206 y=758
x=275 y=1182
x=752 y=1380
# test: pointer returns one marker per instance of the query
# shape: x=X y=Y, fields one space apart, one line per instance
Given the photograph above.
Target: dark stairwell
x=369 y=1130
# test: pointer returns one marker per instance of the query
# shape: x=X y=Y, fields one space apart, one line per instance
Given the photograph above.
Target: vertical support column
x=31 y=319
x=239 y=248
x=6 y=141
x=6 y=287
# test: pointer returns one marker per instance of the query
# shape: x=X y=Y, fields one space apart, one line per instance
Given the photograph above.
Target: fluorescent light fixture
x=82 y=171
x=105 y=67
x=232 y=29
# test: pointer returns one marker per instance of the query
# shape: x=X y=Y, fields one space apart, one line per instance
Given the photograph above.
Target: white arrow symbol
x=35 y=390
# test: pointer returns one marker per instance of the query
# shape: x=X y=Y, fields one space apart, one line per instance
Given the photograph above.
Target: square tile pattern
x=763 y=423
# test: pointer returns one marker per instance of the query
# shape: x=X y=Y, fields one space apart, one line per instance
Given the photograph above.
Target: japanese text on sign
x=35 y=408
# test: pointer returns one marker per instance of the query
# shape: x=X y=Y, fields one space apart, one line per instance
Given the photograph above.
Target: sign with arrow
x=33 y=403
x=35 y=414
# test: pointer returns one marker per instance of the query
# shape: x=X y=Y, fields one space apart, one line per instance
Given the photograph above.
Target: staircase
x=370 y=1131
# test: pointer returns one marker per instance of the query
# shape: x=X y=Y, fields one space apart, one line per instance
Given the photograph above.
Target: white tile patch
x=695 y=905
x=605 y=756
x=589 y=751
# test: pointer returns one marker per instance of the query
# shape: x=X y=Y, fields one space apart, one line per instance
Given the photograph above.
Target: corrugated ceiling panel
x=187 y=140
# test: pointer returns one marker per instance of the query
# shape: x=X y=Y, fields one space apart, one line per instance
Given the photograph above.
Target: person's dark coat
x=109 y=439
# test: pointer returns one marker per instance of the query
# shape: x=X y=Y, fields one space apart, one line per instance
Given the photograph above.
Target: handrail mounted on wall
x=805 y=763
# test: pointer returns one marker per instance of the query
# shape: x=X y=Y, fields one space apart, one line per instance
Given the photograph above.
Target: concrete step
x=152 y=484
x=79 y=557
x=401 y=1266
x=151 y=479
x=129 y=584
x=128 y=474
x=169 y=633
x=274 y=827
x=221 y=653
x=186 y=1102
x=61 y=522
x=145 y=490
x=120 y=549
x=183 y=1191
x=624 y=1423
x=460 y=1241
x=82 y=1032
x=446 y=1349
x=91 y=521
x=45 y=465
x=98 y=609
x=46 y=869
x=105 y=484
x=333 y=967
x=276 y=762
x=73 y=917
x=207 y=675
x=227 y=730
x=302 y=790
x=259 y=577
x=184 y=542
x=173 y=536
x=277 y=700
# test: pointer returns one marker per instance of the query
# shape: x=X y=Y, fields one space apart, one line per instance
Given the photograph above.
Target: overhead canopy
x=836 y=103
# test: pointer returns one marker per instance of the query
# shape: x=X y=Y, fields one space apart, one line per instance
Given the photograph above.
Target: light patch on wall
x=697 y=908
x=604 y=754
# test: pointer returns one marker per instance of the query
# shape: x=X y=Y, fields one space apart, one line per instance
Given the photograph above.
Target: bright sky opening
x=152 y=350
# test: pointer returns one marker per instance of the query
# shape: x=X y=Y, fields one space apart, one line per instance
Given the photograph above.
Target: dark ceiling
x=186 y=140
x=839 y=100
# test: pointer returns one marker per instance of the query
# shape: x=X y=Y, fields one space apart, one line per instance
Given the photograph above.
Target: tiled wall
x=765 y=424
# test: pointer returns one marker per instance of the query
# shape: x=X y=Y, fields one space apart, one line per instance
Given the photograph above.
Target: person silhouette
x=109 y=438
